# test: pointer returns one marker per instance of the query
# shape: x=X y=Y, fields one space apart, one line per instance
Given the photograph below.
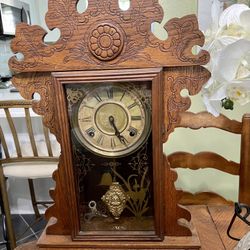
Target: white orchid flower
x=231 y=15
x=233 y=24
x=229 y=47
x=239 y=93
x=232 y=69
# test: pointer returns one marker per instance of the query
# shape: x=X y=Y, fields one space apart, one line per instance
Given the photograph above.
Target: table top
x=211 y=223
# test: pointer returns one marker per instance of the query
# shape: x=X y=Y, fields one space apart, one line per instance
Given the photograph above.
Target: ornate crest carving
x=116 y=32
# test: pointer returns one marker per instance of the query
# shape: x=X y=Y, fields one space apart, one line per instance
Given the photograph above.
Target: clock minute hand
x=117 y=133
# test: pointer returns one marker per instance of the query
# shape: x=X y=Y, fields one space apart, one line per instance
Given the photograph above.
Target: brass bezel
x=111 y=153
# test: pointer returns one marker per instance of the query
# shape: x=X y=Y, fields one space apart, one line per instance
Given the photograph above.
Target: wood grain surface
x=221 y=216
x=207 y=231
x=211 y=223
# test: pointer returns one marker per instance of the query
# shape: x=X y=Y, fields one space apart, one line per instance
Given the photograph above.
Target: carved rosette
x=106 y=42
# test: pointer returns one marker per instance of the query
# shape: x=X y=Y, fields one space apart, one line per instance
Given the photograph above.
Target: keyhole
x=91 y=134
x=132 y=133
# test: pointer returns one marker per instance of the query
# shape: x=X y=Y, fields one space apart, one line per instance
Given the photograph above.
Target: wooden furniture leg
x=33 y=198
x=5 y=240
x=4 y=195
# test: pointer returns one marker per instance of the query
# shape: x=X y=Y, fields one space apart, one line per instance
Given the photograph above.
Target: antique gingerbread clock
x=111 y=93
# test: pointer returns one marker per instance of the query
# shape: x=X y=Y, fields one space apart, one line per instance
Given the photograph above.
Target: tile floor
x=26 y=228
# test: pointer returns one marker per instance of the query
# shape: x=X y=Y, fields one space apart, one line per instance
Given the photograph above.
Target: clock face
x=112 y=120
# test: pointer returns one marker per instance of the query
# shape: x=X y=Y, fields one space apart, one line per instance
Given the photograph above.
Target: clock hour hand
x=112 y=122
x=117 y=133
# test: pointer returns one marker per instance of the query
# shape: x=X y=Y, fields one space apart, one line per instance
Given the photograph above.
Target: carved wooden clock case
x=110 y=92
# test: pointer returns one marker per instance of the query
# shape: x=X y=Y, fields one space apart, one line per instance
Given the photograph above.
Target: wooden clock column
x=110 y=92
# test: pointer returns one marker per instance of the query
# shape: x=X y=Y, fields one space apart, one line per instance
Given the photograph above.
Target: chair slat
x=207 y=120
x=207 y=198
x=4 y=144
x=203 y=160
x=47 y=140
x=15 y=104
x=40 y=159
x=13 y=131
x=30 y=131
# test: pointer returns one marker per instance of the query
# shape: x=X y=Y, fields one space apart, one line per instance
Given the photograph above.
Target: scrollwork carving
x=176 y=80
x=183 y=35
x=30 y=83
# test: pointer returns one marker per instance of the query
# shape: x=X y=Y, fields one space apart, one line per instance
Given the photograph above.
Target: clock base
x=57 y=242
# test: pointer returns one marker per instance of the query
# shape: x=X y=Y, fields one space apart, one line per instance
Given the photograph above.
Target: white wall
x=42 y=6
x=33 y=11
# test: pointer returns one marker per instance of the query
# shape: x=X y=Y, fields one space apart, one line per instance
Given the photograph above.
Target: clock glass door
x=111 y=138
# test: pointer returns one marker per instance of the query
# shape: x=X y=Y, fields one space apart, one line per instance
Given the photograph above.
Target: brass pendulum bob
x=115 y=199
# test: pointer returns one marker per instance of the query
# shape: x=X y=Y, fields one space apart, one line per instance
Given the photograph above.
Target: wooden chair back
x=24 y=108
x=14 y=162
x=204 y=160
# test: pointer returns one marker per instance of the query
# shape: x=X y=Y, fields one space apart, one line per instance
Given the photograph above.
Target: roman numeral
x=100 y=139
x=110 y=93
x=86 y=119
x=136 y=117
x=113 y=144
x=132 y=105
x=86 y=106
x=97 y=97
x=123 y=95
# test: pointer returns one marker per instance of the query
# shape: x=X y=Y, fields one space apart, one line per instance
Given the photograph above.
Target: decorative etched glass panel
x=112 y=155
